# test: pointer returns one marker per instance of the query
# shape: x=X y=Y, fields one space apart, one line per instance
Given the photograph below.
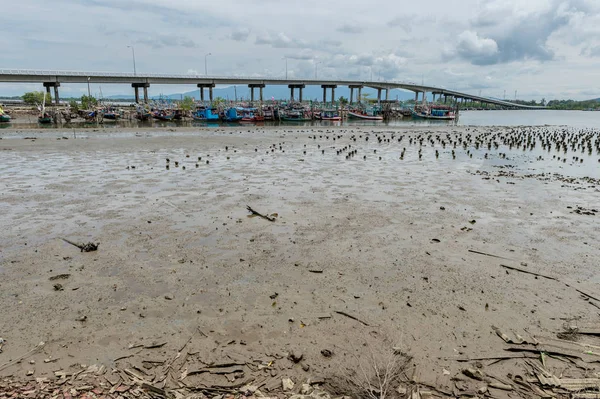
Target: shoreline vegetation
x=566 y=105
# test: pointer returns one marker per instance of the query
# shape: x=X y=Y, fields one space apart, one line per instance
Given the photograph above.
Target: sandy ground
x=179 y=257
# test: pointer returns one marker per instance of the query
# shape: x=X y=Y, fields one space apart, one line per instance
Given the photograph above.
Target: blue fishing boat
x=231 y=115
x=434 y=112
x=206 y=114
x=111 y=114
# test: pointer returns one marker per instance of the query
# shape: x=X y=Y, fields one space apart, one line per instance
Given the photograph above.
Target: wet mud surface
x=384 y=238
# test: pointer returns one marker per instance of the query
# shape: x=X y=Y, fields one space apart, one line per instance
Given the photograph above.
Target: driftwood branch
x=89 y=247
x=252 y=211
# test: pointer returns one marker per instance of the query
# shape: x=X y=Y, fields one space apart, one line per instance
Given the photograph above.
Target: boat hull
x=45 y=121
x=365 y=117
x=286 y=119
x=433 y=117
x=4 y=118
x=164 y=117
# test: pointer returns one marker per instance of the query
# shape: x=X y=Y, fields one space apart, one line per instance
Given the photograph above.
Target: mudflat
x=368 y=222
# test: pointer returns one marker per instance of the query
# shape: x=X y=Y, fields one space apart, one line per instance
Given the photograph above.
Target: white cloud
x=472 y=46
x=519 y=44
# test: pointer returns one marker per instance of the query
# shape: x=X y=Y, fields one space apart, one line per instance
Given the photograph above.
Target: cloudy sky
x=542 y=48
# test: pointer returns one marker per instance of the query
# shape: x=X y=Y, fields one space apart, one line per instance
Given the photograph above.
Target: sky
x=540 y=48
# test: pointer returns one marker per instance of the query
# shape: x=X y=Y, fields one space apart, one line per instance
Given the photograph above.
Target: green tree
x=343 y=100
x=187 y=103
x=87 y=102
x=218 y=101
x=36 y=97
x=74 y=106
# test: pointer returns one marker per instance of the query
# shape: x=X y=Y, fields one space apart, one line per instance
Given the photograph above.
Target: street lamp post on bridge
x=206 y=64
x=133 y=55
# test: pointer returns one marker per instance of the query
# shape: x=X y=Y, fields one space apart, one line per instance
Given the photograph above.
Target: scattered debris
x=89 y=247
x=287 y=384
x=60 y=277
x=326 y=353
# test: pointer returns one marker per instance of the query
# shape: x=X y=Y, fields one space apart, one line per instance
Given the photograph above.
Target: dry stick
x=500 y=357
x=25 y=356
x=528 y=272
x=351 y=317
x=583 y=293
x=252 y=211
x=483 y=253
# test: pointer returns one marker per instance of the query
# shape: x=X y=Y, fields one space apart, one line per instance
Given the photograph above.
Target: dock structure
x=54 y=79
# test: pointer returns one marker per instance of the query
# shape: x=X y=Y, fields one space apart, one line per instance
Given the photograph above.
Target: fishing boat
x=231 y=115
x=177 y=114
x=249 y=115
x=205 y=114
x=163 y=115
x=110 y=114
x=295 y=116
x=434 y=113
x=44 y=119
x=366 y=115
x=4 y=117
x=329 y=115
x=143 y=114
x=268 y=112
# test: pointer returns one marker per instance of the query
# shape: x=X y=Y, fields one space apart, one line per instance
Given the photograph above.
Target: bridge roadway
x=55 y=78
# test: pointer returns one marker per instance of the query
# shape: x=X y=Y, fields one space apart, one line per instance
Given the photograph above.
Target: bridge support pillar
x=416 y=96
x=56 y=85
x=378 y=95
x=325 y=87
x=292 y=87
x=136 y=88
x=203 y=86
x=359 y=94
x=351 y=94
x=433 y=94
x=252 y=86
x=387 y=94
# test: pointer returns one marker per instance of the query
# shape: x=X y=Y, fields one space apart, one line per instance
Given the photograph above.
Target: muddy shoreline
x=380 y=235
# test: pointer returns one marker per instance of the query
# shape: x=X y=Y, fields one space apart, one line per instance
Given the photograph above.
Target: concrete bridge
x=54 y=79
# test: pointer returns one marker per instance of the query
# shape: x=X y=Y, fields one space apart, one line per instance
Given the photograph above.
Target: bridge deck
x=31 y=76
